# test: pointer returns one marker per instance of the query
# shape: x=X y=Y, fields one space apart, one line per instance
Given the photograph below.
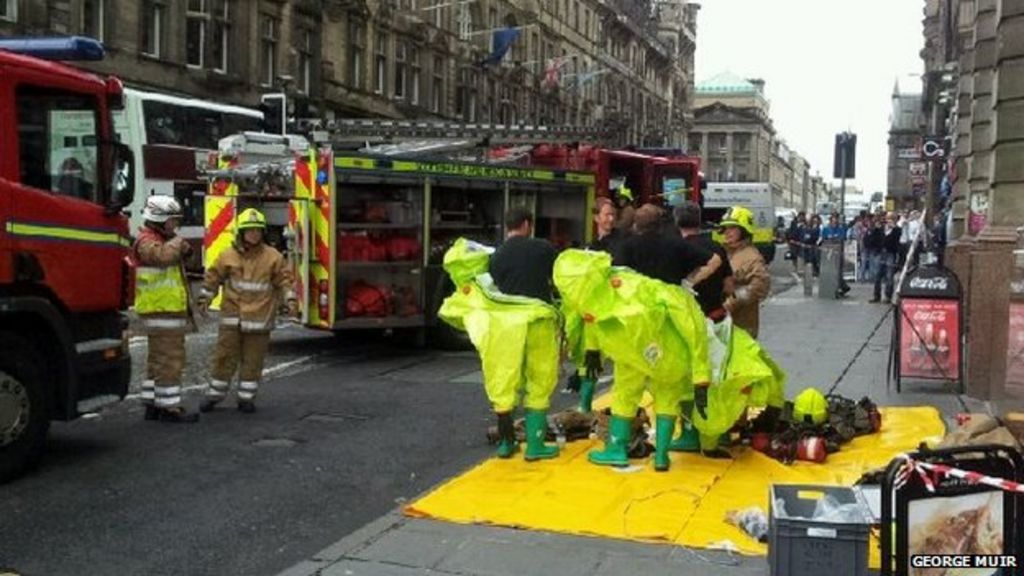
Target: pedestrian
x=887 y=240
x=809 y=242
x=163 y=305
x=871 y=247
x=834 y=235
x=752 y=281
x=856 y=235
x=522 y=266
x=673 y=261
x=609 y=238
x=256 y=281
x=794 y=236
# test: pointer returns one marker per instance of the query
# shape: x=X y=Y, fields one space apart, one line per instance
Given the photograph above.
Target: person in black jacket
x=885 y=240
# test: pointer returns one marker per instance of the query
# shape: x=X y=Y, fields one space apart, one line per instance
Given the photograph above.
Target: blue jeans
x=885 y=270
x=866 y=270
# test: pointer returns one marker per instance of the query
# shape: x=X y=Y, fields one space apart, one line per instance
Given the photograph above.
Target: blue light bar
x=62 y=48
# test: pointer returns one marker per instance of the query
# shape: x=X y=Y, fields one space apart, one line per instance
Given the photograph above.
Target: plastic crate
x=799 y=546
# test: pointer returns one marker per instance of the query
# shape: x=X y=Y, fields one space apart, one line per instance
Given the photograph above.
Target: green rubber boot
x=614 y=453
x=587 y=386
x=536 y=432
x=664 y=427
x=507 y=445
x=688 y=439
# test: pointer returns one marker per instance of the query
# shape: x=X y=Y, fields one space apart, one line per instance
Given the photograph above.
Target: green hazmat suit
x=516 y=337
x=742 y=375
x=655 y=333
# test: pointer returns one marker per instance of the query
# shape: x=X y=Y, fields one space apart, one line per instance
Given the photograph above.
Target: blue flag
x=500 y=44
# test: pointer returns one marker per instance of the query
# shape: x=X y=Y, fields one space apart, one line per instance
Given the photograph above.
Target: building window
x=268 y=49
x=357 y=48
x=92 y=18
x=466 y=95
x=195 y=32
x=221 y=36
x=57 y=141
x=9 y=10
x=152 y=28
x=304 y=47
x=381 y=63
x=401 y=69
x=741 y=143
x=417 y=76
x=439 y=8
x=437 y=87
x=465 y=22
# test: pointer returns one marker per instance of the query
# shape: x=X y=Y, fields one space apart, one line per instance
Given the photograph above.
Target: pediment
x=719 y=113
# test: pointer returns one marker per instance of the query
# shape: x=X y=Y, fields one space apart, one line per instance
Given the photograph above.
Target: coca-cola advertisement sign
x=1015 y=352
x=930 y=339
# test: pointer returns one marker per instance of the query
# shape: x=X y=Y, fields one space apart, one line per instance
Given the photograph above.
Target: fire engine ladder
x=263 y=162
x=452 y=140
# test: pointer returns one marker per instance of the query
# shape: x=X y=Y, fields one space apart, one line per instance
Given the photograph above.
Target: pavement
x=819 y=342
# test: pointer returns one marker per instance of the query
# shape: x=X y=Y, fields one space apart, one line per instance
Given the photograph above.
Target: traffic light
x=846 y=148
x=275 y=113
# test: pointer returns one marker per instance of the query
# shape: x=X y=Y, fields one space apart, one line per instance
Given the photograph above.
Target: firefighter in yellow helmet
x=162 y=303
x=255 y=279
x=752 y=282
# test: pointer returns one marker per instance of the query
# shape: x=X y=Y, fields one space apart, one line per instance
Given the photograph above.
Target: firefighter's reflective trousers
x=239 y=351
x=164 y=364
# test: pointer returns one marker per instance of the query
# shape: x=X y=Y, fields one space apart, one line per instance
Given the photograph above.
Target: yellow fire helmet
x=740 y=217
x=810 y=407
x=252 y=218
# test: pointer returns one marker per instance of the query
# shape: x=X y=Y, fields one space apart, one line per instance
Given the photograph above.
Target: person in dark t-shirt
x=711 y=292
x=523 y=266
x=662 y=257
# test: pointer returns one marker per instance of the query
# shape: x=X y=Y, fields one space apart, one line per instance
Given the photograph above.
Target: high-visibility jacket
x=255 y=281
x=161 y=291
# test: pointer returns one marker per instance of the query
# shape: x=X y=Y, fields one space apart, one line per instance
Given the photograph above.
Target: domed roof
x=726 y=82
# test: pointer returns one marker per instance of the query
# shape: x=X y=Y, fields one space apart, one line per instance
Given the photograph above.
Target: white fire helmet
x=161 y=209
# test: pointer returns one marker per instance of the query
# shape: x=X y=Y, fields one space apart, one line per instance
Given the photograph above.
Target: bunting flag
x=500 y=44
x=553 y=72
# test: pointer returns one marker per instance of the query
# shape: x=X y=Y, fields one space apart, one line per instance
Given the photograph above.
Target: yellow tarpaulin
x=684 y=506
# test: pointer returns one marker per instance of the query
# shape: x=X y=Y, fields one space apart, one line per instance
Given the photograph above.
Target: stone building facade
x=906 y=182
x=733 y=130
x=974 y=96
x=624 y=65
x=734 y=134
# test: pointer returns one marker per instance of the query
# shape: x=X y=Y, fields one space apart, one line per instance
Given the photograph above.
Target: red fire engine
x=64 y=277
x=659 y=177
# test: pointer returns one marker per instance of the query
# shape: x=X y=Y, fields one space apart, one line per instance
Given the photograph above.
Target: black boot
x=246 y=406
x=151 y=413
x=177 y=415
x=507 y=445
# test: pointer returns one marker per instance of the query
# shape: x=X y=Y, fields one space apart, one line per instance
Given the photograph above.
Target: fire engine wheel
x=23 y=415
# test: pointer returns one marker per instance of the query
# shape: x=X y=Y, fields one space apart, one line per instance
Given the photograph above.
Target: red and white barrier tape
x=926 y=471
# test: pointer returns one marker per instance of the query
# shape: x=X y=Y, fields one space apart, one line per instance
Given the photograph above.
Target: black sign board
x=927 y=337
x=954 y=516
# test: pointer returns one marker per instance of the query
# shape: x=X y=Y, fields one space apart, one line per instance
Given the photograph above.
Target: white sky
x=829 y=66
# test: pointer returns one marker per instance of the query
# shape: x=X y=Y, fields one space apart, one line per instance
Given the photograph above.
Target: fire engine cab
x=64 y=276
